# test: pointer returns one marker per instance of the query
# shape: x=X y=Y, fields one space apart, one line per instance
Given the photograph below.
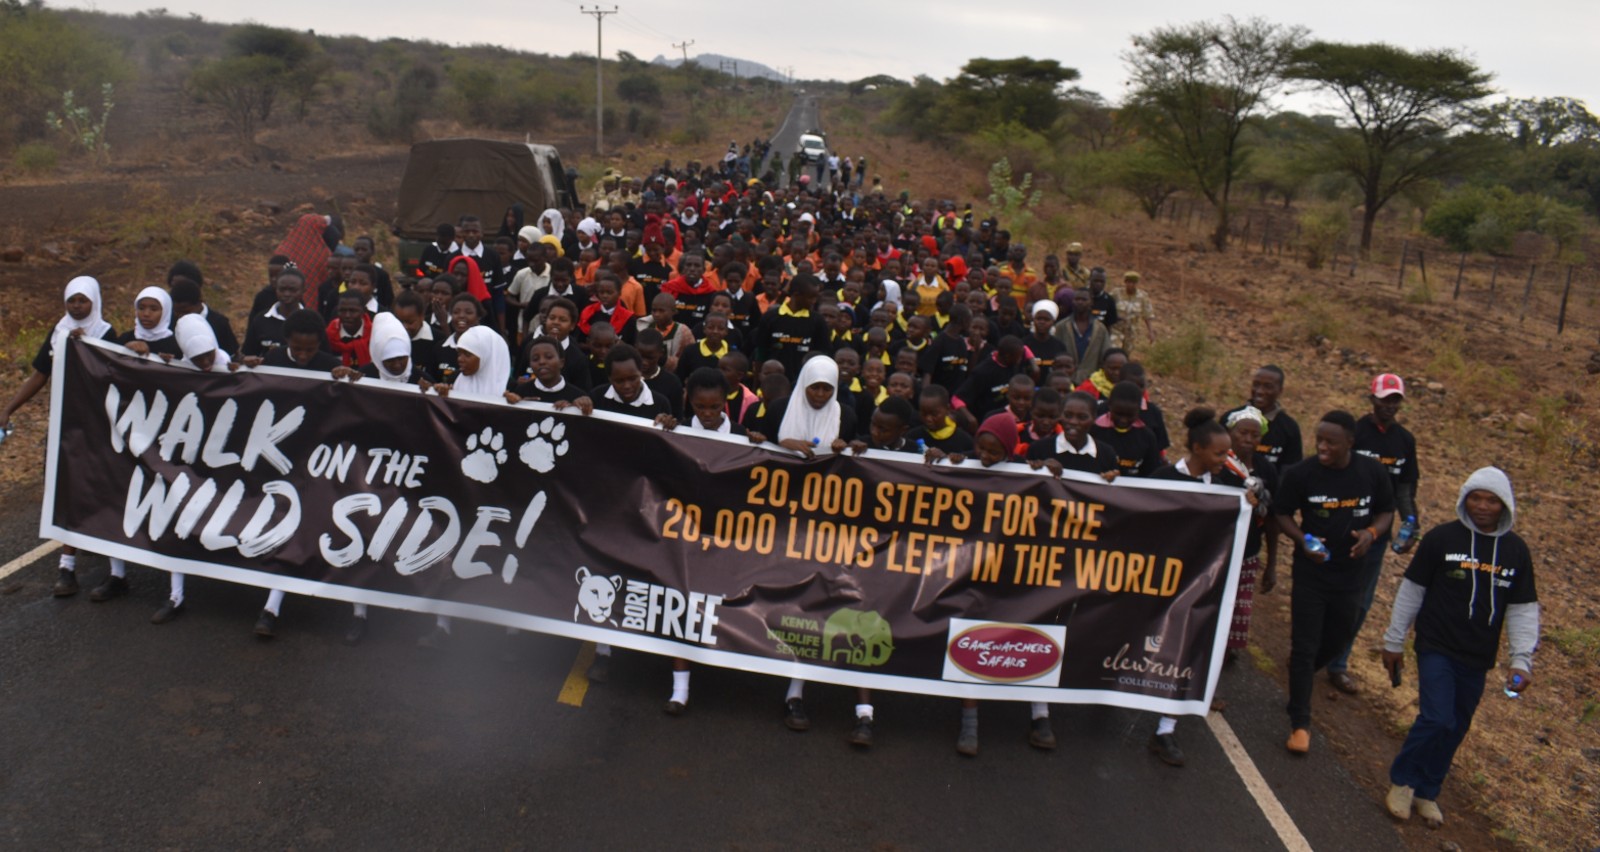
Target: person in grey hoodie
x=1470 y=577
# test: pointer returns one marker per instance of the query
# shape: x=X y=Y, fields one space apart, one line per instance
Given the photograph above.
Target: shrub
x=1322 y=230
x=37 y=158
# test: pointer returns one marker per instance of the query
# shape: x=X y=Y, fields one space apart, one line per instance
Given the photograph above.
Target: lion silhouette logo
x=857 y=637
x=596 y=594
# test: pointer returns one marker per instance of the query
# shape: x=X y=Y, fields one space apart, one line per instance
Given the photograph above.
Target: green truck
x=446 y=179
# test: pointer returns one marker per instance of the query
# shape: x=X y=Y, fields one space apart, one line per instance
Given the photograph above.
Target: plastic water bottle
x=1518 y=682
x=816 y=442
x=1315 y=547
x=5 y=432
x=1408 y=531
x=922 y=447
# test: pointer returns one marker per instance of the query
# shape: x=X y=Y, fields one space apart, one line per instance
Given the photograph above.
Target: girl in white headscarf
x=152 y=325
x=82 y=317
x=390 y=346
x=485 y=365
x=811 y=422
x=198 y=343
x=553 y=224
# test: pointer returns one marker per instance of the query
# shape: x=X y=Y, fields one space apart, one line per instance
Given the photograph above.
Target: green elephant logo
x=857 y=637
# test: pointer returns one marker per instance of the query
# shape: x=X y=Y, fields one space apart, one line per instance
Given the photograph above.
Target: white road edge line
x=27 y=559
x=1271 y=808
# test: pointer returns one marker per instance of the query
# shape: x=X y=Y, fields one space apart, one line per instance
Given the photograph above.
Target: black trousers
x=1322 y=622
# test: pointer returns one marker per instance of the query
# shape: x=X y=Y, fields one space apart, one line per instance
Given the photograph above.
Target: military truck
x=446 y=179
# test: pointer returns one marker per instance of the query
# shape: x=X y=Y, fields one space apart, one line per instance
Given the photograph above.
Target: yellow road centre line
x=27 y=559
x=577 y=683
x=1271 y=808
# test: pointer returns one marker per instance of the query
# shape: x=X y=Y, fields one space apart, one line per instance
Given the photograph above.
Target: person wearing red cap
x=1379 y=436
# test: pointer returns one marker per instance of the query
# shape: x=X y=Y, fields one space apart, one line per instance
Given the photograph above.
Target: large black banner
x=874 y=571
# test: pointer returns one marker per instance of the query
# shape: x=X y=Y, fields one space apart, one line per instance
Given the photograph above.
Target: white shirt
x=1064 y=446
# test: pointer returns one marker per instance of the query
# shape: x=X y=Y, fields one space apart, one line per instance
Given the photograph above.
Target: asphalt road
x=195 y=734
x=803 y=116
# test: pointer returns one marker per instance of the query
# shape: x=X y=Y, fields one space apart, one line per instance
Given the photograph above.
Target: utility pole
x=685 y=48
x=599 y=78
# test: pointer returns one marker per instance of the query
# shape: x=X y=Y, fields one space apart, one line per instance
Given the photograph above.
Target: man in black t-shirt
x=1470 y=577
x=1345 y=502
x=1381 y=438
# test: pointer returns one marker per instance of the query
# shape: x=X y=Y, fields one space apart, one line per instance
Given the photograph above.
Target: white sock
x=602 y=650
x=1166 y=726
x=176 y=595
x=442 y=622
x=69 y=562
x=274 y=600
x=864 y=710
x=119 y=568
x=680 y=687
x=797 y=688
x=1040 y=709
x=360 y=610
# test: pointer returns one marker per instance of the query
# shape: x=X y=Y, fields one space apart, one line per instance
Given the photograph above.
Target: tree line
x=1203 y=116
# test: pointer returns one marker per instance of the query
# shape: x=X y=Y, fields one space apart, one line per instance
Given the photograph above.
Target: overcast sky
x=1534 y=48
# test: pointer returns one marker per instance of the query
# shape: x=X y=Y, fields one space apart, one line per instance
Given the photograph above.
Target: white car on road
x=813 y=148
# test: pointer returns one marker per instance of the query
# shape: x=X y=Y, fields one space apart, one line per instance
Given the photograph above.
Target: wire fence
x=1528 y=284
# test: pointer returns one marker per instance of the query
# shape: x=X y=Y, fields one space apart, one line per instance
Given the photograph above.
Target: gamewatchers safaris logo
x=1000 y=652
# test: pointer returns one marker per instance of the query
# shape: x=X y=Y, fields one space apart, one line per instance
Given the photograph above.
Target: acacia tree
x=1021 y=90
x=1196 y=86
x=1401 y=111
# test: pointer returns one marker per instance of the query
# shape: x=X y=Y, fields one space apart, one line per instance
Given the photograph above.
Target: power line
x=599 y=80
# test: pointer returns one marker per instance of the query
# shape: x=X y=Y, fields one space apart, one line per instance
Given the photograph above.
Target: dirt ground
x=1516 y=396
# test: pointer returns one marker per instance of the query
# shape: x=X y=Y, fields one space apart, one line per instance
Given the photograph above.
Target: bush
x=641 y=123
x=640 y=89
x=1322 y=230
x=37 y=158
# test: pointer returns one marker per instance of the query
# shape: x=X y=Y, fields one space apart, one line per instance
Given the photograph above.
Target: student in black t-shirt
x=1121 y=429
x=984 y=390
x=1281 y=444
x=944 y=360
x=1346 y=502
x=1072 y=447
x=1470 y=577
x=1380 y=437
x=938 y=432
x=790 y=332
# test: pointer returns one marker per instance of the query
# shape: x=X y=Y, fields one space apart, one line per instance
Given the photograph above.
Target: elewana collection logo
x=1001 y=652
x=849 y=637
x=1149 y=671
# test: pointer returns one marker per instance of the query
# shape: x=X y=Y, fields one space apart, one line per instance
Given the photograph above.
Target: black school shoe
x=1041 y=737
x=356 y=632
x=1165 y=746
x=66 y=584
x=266 y=625
x=794 y=715
x=113 y=587
x=167 y=612
x=861 y=737
x=676 y=708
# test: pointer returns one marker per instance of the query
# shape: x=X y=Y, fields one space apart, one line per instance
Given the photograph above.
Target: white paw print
x=546 y=442
x=485 y=453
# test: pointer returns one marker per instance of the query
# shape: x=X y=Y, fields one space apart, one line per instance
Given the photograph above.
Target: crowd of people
x=828 y=318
